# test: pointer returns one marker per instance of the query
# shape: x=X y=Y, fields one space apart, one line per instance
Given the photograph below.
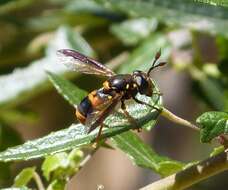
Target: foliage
x=212 y=125
x=32 y=32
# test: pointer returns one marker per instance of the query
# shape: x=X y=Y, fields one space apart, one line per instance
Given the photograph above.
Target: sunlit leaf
x=217 y=150
x=16 y=188
x=57 y=185
x=26 y=82
x=69 y=91
x=142 y=154
x=134 y=30
x=24 y=177
x=62 y=165
x=141 y=58
x=8 y=138
x=190 y=14
x=76 y=135
x=212 y=124
x=53 y=162
x=216 y=2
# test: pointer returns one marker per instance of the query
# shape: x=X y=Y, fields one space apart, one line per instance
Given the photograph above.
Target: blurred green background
x=125 y=34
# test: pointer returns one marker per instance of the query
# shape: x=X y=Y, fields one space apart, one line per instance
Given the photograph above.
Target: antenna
x=157 y=56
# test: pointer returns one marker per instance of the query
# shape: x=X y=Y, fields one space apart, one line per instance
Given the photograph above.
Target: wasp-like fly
x=98 y=104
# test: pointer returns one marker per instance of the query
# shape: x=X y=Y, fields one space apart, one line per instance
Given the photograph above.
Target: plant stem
x=193 y=174
x=38 y=181
x=87 y=158
x=172 y=117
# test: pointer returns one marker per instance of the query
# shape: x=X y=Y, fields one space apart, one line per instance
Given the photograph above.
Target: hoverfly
x=99 y=104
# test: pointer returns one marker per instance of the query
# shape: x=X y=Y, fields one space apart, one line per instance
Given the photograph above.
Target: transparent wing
x=95 y=118
x=81 y=63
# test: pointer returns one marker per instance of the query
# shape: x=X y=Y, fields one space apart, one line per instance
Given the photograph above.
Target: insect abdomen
x=94 y=100
x=83 y=109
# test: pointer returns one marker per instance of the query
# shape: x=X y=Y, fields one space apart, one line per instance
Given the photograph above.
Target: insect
x=98 y=104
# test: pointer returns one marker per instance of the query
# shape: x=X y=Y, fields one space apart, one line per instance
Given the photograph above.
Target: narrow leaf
x=57 y=185
x=53 y=162
x=62 y=165
x=76 y=135
x=130 y=32
x=16 y=87
x=24 y=177
x=142 y=155
x=69 y=91
x=212 y=124
x=16 y=188
x=190 y=14
x=216 y=2
x=217 y=150
x=141 y=58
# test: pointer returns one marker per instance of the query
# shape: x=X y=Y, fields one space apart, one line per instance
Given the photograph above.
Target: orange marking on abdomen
x=95 y=99
x=106 y=85
x=81 y=118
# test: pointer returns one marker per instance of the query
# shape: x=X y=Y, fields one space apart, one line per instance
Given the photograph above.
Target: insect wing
x=81 y=63
x=95 y=118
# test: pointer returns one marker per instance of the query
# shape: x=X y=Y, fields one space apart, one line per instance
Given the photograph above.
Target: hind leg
x=130 y=119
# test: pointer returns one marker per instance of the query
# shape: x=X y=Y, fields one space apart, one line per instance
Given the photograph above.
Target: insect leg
x=130 y=119
x=144 y=103
x=158 y=93
x=99 y=133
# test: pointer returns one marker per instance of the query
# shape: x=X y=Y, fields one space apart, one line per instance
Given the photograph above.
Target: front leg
x=144 y=103
x=130 y=119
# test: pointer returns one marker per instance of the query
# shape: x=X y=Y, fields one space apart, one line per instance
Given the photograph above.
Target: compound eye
x=138 y=80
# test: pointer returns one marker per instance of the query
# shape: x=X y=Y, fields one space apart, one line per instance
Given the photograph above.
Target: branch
x=38 y=181
x=172 y=117
x=193 y=174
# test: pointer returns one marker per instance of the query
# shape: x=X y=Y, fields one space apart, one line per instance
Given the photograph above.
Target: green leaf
x=57 y=185
x=190 y=14
x=62 y=165
x=142 y=155
x=8 y=137
x=217 y=150
x=69 y=91
x=24 y=177
x=212 y=124
x=141 y=58
x=24 y=83
x=216 y=2
x=51 y=163
x=130 y=32
x=16 y=188
x=75 y=157
x=76 y=135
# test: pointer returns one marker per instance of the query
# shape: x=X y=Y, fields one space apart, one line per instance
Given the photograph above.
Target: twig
x=193 y=174
x=172 y=117
x=87 y=158
x=38 y=181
